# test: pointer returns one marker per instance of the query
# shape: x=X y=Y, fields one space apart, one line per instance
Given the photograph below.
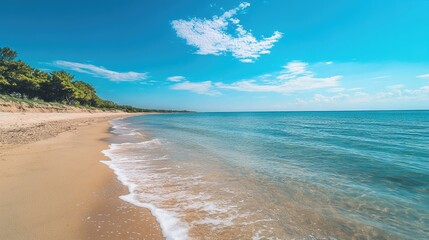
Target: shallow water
x=283 y=175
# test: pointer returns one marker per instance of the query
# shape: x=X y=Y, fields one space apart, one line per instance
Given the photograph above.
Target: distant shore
x=52 y=185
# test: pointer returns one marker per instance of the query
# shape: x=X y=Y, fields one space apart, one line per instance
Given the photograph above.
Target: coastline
x=55 y=187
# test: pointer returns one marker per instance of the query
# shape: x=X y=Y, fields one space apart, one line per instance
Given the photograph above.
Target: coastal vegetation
x=21 y=82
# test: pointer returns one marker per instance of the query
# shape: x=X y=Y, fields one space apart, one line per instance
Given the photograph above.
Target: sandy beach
x=53 y=186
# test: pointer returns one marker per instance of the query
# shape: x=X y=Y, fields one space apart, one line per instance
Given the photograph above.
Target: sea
x=278 y=175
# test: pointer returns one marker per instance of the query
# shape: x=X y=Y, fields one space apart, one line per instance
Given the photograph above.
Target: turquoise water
x=279 y=175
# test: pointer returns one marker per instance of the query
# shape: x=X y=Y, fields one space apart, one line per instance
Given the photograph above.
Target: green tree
x=7 y=54
x=4 y=83
x=19 y=79
x=61 y=87
x=85 y=93
x=16 y=77
x=43 y=79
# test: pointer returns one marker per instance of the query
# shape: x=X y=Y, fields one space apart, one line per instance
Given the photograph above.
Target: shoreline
x=57 y=188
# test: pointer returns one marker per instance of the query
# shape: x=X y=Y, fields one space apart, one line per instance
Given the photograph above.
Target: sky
x=265 y=55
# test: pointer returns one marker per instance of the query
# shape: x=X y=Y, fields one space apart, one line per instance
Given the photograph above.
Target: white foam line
x=171 y=226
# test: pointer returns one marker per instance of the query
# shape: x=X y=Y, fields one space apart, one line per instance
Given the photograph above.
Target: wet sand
x=56 y=188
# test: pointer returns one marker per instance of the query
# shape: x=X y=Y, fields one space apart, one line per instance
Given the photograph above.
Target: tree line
x=21 y=80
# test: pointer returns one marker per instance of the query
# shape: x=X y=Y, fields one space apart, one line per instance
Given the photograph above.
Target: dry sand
x=56 y=188
x=26 y=127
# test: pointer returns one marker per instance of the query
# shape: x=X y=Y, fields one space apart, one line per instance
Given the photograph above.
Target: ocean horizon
x=278 y=175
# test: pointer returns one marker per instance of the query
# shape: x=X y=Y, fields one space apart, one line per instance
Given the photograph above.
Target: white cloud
x=354 y=89
x=149 y=83
x=196 y=87
x=329 y=63
x=176 y=78
x=381 y=77
x=424 y=76
x=420 y=92
x=339 y=89
x=356 y=97
x=396 y=86
x=336 y=90
x=295 y=78
x=211 y=36
x=395 y=93
x=102 y=72
x=319 y=98
x=296 y=67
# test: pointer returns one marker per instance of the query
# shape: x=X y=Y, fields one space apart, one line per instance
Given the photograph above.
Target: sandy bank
x=18 y=128
x=56 y=188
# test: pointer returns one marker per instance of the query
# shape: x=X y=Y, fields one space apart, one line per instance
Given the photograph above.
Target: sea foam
x=172 y=227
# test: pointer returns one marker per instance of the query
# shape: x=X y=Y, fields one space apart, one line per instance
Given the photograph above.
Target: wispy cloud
x=340 y=89
x=424 y=76
x=393 y=93
x=211 y=36
x=102 y=72
x=336 y=90
x=176 y=78
x=396 y=86
x=381 y=77
x=398 y=92
x=296 y=77
x=196 y=87
x=295 y=68
x=320 y=98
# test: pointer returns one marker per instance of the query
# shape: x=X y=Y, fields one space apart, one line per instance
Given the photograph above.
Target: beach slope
x=52 y=185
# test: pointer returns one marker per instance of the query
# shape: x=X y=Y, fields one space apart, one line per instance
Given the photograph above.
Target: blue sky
x=231 y=55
